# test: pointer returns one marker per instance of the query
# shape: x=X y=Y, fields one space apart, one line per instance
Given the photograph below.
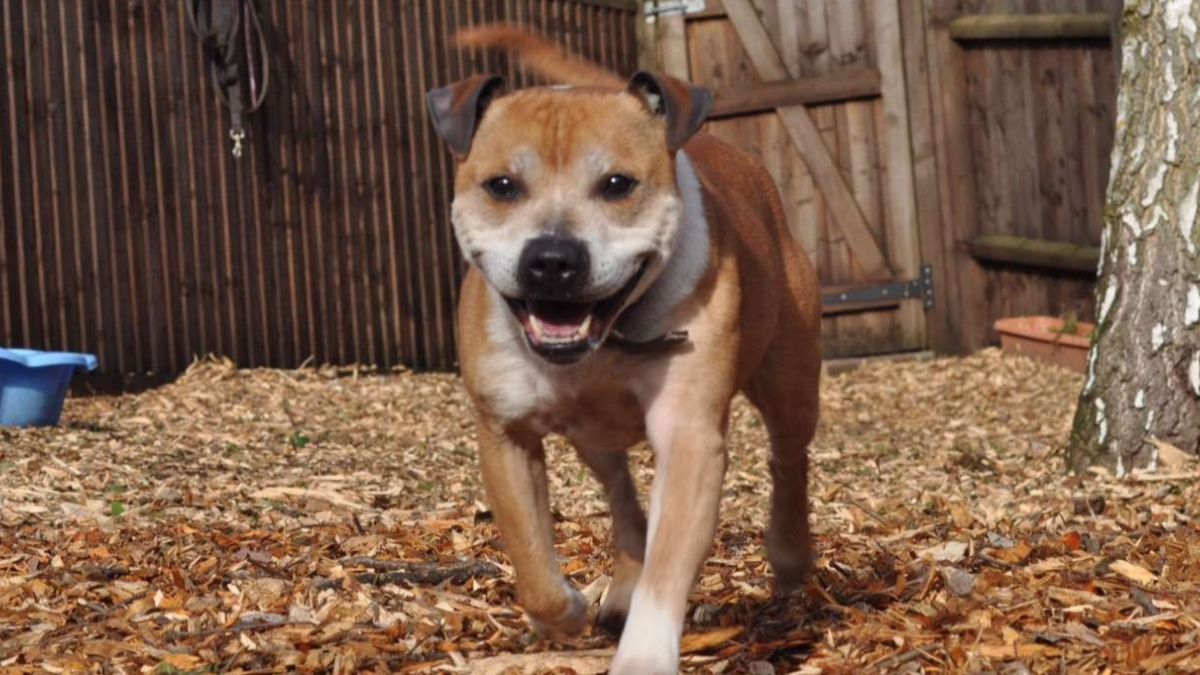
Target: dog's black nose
x=554 y=267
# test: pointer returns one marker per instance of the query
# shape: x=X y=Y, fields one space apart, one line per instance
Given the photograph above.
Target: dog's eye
x=502 y=188
x=616 y=186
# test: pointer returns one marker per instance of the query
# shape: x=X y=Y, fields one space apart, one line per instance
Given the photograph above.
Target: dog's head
x=566 y=198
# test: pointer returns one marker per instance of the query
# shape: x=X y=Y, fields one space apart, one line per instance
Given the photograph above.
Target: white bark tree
x=1143 y=376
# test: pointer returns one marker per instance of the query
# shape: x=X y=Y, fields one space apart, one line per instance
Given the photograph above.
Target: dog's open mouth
x=564 y=331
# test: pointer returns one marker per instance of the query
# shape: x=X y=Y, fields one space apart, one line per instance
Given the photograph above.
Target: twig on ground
x=429 y=574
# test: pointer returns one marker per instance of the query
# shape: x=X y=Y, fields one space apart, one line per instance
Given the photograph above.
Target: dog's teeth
x=539 y=330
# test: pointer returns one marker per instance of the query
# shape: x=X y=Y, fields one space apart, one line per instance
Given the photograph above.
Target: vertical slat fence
x=128 y=230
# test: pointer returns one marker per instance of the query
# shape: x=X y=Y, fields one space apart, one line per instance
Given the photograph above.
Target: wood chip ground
x=332 y=521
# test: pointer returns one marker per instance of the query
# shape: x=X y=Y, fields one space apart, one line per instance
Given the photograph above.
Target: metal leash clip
x=237 y=135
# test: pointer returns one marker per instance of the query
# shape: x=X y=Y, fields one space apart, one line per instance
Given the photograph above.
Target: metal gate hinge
x=926 y=281
x=921 y=287
x=652 y=9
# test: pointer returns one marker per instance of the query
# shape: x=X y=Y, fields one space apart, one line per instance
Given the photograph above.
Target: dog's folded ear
x=685 y=106
x=455 y=109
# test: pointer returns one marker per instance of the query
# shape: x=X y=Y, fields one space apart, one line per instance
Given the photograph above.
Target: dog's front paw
x=649 y=644
x=653 y=662
x=561 y=616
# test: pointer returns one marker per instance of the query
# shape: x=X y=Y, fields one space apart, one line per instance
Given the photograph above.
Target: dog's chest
x=590 y=400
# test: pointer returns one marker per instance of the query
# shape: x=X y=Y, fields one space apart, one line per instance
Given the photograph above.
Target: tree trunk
x=1143 y=377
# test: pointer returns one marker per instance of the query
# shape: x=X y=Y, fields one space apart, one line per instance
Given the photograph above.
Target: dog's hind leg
x=514 y=473
x=629 y=533
x=784 y=388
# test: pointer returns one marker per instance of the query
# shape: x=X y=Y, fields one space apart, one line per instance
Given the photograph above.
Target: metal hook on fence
x=236 y=135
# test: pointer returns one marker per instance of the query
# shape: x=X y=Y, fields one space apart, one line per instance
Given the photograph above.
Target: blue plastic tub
x=33 y=385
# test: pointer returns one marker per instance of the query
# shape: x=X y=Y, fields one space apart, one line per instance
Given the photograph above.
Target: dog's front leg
x=689 y=468
x=514 y=474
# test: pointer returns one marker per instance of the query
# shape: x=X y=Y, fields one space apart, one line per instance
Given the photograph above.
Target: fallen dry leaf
x=699 y=642
x=951 y=551
x=1133 y=572
x=1171 y=458
x=322 y=493
x=589 y=662
x=1015 y=651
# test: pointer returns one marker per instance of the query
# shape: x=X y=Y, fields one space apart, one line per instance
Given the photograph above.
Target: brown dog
x=628 y=277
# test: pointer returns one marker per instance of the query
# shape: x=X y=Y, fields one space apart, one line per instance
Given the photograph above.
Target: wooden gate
x=817 y=92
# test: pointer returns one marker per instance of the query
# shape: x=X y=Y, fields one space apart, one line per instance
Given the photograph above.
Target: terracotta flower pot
x=1042 y=337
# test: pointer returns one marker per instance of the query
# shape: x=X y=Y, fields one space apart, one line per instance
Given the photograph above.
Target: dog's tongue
x=560 y=318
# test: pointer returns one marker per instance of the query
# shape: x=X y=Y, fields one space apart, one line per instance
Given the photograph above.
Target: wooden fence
x=960 y=141
x=127 y=230
x=918 y=140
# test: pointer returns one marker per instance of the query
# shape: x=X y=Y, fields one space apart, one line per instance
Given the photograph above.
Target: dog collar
x=666 y=341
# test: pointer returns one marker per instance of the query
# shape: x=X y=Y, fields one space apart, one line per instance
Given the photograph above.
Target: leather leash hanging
x=219 y=24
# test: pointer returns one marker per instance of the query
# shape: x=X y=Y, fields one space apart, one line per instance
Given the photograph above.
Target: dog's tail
x=540 y=55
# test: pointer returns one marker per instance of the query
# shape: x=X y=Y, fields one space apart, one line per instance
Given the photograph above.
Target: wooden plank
x=963 y=289
x=385 y=77
x=171 y=326
x=123 y=79
x=828 y=310
x=848 y=85
x=332 y=255
x=35 y=123
x=816 y=47
x=369 y=242
x=108 y=182
x=790 y=24
x=438 y=233
x=80 y=338
x=7 y=214
x=309 y=70
x=1042 y=253
x=673 y=39
x=405 y=259
x=805 y=219
x=288 y=202
x=183 y=220
x=420 y=201
x=939 y=332
x=865 y=167
x=1054 y=96
x=350 y=202
x=60 y=235
x=649 y=53
x=1085 y=26
x=834 y=254
x=147 y=166
x=16 y=300
x=1026 y=168
x=903 y=244
x=808 y=141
